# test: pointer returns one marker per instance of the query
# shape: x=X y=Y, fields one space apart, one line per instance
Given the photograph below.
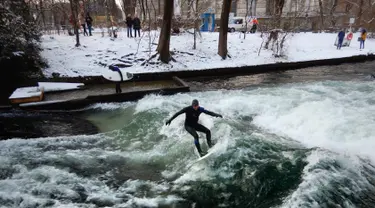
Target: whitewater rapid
x=288 y=145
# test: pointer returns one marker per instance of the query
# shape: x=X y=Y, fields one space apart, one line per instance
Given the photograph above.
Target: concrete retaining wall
x=81 y=103
x=232 y=71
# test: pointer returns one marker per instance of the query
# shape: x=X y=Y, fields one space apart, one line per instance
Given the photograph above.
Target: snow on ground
x=59 y=86
x=97 y=53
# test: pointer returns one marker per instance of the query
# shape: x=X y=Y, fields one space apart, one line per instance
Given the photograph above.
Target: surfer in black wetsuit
x=191 y=123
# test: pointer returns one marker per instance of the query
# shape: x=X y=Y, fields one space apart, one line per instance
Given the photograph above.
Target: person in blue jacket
x=118 y=84
x=341 y=37
x=191 y=123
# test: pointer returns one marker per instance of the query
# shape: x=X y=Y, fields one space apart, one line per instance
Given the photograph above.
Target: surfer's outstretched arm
x=175 y=115
x=211 y=113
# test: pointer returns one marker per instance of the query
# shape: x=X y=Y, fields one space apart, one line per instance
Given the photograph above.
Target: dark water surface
x=301 y=138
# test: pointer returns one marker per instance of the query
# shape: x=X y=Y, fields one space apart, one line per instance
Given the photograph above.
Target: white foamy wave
x=110 y=106
x=344 y=174
x=324 y=118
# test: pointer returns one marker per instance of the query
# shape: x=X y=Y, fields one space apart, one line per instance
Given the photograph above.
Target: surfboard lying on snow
x=114 y=76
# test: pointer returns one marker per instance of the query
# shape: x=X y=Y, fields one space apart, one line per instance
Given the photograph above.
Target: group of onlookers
x=86 y=21
x=361 y=38
x=133 y=23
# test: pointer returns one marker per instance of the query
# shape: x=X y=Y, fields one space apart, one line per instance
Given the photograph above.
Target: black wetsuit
x=192 y=125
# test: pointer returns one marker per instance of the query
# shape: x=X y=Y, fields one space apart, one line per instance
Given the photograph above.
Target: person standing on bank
x=137 y=26
x=82 y=20
x=362 y=39
x=191 y=123
x=340 y=40
x=89 y=23
x=129 y=24
x=118 y=84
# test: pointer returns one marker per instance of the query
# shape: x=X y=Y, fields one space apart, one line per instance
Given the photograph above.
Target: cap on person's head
x=195 y=102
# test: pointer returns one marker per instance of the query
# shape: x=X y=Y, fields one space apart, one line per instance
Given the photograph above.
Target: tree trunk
x=190 y=5
x=165 y=34
x=196 y=26
x=155 y=22
x=247 y=14
x=73 y=7
x=107 y=14
x=223 y=36
x=321 y=15
x=143 y=9
x=251 y=7
x=42 y=13
x=360 y=13
x=159 y=7
x=129 y=7
x=331 y=13
x=148 y=13
x=279 y=5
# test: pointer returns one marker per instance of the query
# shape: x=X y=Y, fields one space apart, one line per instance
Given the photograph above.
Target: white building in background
x=259 y=8
x=264 y=8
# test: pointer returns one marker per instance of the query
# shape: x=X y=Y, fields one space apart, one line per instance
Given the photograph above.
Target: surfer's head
x=195 y=104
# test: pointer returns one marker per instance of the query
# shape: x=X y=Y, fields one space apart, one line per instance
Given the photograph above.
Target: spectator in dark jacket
x=341 y=37
x=129 y=24
x=89 y=22
x=137 y=26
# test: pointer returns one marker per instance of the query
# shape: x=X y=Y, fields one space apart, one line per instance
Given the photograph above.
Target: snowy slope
x=96 y=53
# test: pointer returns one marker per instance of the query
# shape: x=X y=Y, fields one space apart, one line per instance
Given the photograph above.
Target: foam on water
x=309 y=135
x=333 y=115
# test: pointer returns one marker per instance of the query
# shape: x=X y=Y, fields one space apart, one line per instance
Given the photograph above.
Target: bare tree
x=194 y=10
x=279 y=5
x=321 y=11
x=332 y=12
x=141 y=2
x=246 y=20
x=360 y=13
x=363 y=12
x=165 y=34
x=129 y=7
x=41 y=6
x=196 y=26
x=73 y=6
x=223 y=36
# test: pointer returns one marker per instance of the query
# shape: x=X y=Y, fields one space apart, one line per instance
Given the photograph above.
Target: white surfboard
x=115 y=76
x=209 y=152
x=205 y=156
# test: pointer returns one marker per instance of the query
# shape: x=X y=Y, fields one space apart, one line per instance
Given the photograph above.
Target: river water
x=308 y=142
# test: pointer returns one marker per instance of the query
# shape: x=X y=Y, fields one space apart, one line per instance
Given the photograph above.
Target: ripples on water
x=292 y=145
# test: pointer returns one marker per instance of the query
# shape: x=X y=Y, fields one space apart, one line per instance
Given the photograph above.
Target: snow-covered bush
x=19 y=37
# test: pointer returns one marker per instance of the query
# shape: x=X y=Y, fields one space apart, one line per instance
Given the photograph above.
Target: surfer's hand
x=168 y=122
x=220 y=116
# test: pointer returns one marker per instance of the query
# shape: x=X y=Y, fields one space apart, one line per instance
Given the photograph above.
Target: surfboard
x=209 y=152
x=205 y=156
x=114 y=76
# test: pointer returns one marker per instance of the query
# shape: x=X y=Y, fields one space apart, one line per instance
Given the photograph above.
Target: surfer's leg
x=118 y=87
x=201 y=128
x=196 y=138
